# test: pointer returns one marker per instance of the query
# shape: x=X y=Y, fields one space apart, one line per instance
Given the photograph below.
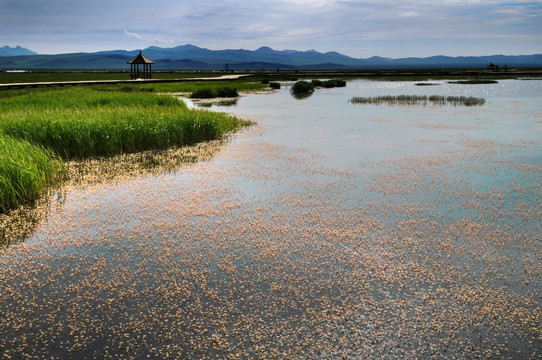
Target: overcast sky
x=356 y=28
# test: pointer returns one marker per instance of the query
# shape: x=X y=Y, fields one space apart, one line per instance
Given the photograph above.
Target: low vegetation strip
x=209 y=93
x=25 y=171
x=77 y=123
x=474 y=82
x=412 y=100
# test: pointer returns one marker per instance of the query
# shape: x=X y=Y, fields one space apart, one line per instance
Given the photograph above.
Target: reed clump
x=333 y=83
x=37 y=127
x=421 y=100
x=474 y=82
x=328 y=84
x=303 y=87
x=210 y=93
x=25 y=171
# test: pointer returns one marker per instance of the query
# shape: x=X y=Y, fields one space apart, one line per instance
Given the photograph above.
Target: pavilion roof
x=140 y=59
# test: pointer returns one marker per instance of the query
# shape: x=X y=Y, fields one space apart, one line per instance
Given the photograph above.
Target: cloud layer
x=356 y=28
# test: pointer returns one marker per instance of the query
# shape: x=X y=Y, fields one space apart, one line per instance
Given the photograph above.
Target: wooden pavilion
x=146 y=72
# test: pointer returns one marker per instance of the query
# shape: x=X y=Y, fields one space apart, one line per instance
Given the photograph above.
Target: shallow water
x=329 y=229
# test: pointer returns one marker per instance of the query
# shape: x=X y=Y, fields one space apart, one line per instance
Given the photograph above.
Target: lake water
x=327 y=230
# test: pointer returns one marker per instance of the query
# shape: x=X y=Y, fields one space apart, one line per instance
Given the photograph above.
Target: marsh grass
x=328 y=84
x=36 y=127
x=25 y=171
x=474 y=82
x=210 y=93
x=244 y=85
x=49 y=76
x=303 y=87
x=333 y=83
x=412 y=100
x=82 y=122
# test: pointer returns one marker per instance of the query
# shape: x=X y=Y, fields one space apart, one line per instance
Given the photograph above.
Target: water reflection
x=21 y=223
x=208 y=104
x=301 y=96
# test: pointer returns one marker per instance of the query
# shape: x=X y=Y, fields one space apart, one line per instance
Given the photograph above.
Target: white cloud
x=132 y=35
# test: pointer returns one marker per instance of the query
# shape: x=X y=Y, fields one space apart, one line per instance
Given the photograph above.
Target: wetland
x=326 y=230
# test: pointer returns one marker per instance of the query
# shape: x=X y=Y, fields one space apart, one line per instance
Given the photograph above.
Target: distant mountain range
x=190 y=57
x=16 y=51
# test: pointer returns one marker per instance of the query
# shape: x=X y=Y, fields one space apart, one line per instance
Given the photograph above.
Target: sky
x=360 y=29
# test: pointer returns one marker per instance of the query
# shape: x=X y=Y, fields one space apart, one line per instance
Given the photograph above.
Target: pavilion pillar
x=146 y=70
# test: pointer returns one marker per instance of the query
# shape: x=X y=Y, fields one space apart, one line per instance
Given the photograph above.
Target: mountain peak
x=266 y=49
x=16 y=51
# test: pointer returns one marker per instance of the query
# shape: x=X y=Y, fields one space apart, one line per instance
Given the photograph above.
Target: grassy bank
x=82 y=122
x=188 y=87
x=25 y=171
x=36 y=126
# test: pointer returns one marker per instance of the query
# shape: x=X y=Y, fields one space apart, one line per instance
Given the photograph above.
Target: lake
x=327 y=230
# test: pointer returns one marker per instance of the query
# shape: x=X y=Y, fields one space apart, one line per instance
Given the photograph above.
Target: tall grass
x=82 y=122
x=36 y=127
x=25 y=171
x=420 y=100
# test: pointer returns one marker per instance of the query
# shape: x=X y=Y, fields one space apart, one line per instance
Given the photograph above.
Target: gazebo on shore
x=140 y=59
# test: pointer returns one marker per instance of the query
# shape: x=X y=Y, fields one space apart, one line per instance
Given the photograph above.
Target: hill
x=190 y=57
x=16 y=51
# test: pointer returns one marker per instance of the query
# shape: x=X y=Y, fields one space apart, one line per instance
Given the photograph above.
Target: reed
x=333 y=83
x=37 y=127
x=82 y=122
x=25 y=171
x=244 y=85
x=412 y=100
x=302 y=87
x=474 y=82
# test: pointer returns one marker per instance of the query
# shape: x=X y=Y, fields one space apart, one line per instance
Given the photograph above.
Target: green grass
x=25 y=171
x=82 y=122
x=412 y=100
x=51 y=76
x=242 y=85
x=37 y=126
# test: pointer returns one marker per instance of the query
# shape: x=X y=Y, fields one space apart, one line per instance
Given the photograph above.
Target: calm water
x=329 y=229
